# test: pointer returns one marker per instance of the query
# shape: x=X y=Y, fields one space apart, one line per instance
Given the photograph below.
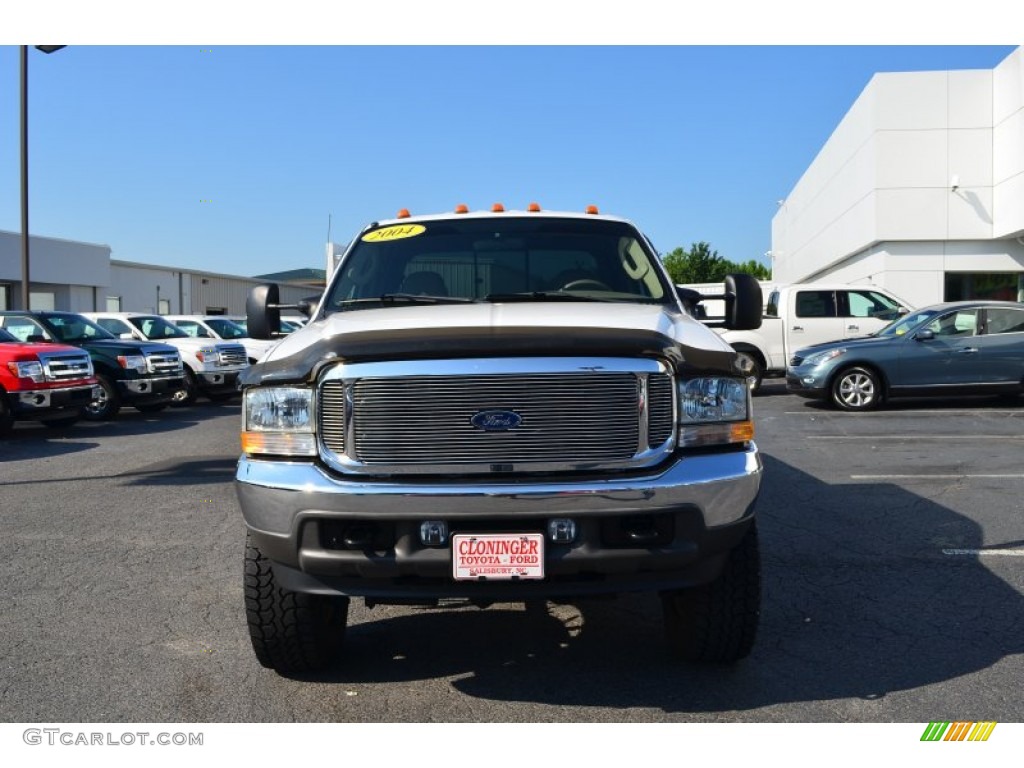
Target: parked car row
x=58 y=367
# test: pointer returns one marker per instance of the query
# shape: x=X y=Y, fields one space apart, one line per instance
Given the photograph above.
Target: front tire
x=291 y=632
x=856 y=389
x=717 y=622
x=107 y=405
x=189 y=392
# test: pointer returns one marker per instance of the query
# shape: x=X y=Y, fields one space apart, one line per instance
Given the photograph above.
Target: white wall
x=930 y=158
x=66 y=268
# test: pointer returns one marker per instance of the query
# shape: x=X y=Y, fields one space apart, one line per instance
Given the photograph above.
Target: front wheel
x=107 y=405
x=856 y=389
x=189 y=391
x=291 y=632
x=717 y=622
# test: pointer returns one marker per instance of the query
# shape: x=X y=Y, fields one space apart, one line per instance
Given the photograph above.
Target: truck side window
x=772 y=308
x=816 y=304
x=869 y=304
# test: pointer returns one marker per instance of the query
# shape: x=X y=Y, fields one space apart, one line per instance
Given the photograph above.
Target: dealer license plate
x=497 y=556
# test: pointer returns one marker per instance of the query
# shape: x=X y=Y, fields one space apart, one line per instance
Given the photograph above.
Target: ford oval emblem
x=496 y=421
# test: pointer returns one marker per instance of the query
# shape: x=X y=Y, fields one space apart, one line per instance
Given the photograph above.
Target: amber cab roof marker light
x=592 y=209
x=533 y=207
x=497 y=208
x=462 y=208
x=403 y=214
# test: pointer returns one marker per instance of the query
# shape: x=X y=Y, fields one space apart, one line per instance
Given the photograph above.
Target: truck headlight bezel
x=28 y=369
x=279 y=421
x=714 y=410
x=135 y=363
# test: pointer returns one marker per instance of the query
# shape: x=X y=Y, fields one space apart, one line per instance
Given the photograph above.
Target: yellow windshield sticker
x=394 y=233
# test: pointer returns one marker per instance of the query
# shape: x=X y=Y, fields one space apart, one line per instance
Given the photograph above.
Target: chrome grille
x=66 y=367
x=233 y=354
x=164 y=362
x=586 y=417
x=332 y=410
x=660 y=420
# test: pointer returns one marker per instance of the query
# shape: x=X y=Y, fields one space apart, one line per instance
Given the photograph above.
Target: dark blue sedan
x=957 y=348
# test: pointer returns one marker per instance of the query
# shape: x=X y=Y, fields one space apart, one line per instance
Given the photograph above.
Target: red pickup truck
x=51 y=383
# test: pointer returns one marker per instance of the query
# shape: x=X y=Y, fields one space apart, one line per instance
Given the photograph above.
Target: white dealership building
x=920 y=190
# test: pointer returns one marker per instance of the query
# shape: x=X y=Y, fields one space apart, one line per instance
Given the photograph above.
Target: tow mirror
x=263 y=312
x=742 y=296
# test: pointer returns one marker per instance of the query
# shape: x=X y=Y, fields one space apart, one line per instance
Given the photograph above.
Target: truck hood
x=114 y=347
x=577 y=329
x=193 y=345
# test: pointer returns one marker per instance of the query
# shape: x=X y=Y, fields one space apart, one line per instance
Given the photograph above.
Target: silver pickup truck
x=499 y=406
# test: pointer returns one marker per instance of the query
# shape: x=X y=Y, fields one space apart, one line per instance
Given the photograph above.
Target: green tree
x=702 y=264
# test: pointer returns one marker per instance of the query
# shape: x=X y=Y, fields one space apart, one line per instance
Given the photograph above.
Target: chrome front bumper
x=290 y=506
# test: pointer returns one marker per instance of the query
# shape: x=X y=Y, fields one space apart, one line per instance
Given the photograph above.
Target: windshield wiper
x=566 y=296
x=540 y=296
x=407 y=298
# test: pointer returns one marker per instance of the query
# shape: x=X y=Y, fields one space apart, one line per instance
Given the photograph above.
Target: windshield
x=499 y=259
x=75 y=328
x=155 y=328
x=907 y=323
x=226 y=329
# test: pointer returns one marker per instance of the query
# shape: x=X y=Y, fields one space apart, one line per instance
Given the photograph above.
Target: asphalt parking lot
x=893 y=583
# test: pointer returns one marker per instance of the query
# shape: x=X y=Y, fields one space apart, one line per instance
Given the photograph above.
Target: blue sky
x=231 y=158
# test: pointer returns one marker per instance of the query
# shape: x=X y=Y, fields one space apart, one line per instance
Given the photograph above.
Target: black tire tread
x=113 y=406
x=291 y=632
x=717 y=622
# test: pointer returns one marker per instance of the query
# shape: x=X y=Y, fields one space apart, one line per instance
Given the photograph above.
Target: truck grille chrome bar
x=66 y=367
x=500 y=415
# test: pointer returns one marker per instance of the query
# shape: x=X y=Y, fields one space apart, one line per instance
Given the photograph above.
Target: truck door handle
x=967 y=351
x=853 y=327
x=798 y=327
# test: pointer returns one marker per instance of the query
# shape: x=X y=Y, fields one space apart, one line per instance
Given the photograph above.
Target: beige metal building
x=81 y=277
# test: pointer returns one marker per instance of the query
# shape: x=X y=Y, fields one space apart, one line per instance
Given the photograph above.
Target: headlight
x=823 y=357
x=714 y=411
x=135 y=363
x=278 y=421
x=208 y=355
x=32 y=369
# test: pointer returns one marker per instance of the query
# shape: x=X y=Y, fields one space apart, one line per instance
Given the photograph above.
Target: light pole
x=24 y=168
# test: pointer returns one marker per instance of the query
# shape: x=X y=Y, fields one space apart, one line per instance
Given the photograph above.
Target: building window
x=163 y=307
x=216 y=310
x=113 y=303
x=991 y=286
x=5 y=296
x=43 y=300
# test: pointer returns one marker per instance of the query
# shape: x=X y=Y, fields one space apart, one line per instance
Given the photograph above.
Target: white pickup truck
x=499 y=406
x=211 y=367
x=799 y=315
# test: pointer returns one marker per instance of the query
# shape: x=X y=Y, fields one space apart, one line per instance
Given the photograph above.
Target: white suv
x=222 y=328
x=211 y=368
